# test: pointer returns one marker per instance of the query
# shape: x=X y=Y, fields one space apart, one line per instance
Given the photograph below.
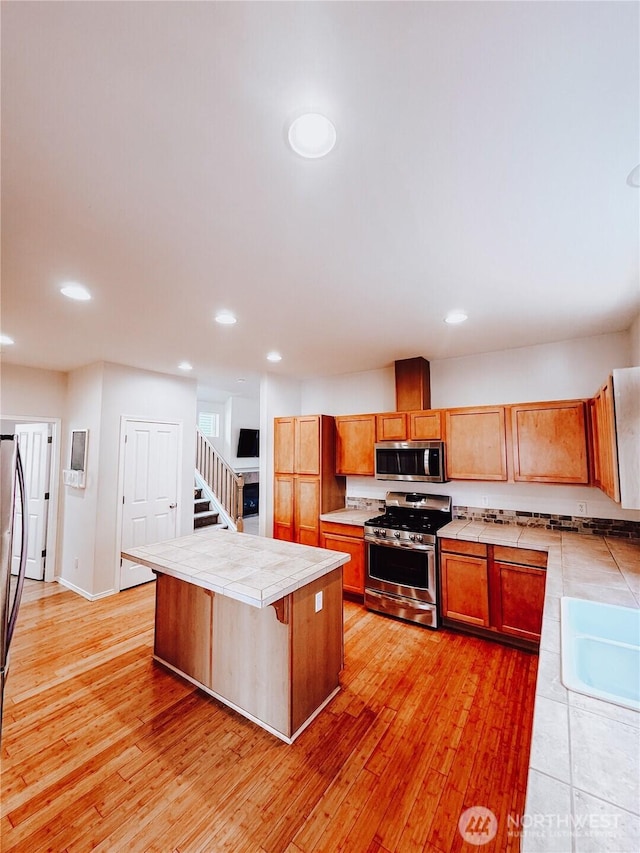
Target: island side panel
x=252 y=660
x=316 y=645
x=184 y=627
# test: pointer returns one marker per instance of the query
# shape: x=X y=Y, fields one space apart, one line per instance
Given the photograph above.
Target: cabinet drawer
x=521 y=556
x=337 y=529
x=460 y=546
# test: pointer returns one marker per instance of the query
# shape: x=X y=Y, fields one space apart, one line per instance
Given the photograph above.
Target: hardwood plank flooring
x=103 y=749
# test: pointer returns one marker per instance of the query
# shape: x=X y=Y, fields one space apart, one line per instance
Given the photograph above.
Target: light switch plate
x=318 y=601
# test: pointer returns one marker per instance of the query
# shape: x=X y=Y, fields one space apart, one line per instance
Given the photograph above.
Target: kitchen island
x=254 y=622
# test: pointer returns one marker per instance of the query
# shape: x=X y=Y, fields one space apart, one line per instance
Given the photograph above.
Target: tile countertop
x=252 y=569
x=357 y=517
x=583 y=790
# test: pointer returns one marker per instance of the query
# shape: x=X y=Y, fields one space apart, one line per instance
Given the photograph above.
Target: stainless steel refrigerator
x=11 y=490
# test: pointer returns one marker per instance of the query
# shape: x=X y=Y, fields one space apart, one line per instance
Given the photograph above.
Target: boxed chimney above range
x=413 y=384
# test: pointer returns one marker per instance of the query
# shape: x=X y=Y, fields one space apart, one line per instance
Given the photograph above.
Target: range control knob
x=415 y=537
x=381 y=532
x=396 y=533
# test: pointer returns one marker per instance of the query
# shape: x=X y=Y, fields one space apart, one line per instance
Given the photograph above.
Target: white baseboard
x=89 y=596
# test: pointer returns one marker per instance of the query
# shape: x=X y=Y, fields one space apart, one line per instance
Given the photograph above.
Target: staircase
x=203 y=515
x=225 y=485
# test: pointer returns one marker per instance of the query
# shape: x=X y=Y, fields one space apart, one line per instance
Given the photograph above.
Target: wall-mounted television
x=248 y=443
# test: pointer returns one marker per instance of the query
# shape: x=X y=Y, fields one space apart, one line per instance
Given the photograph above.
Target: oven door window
x=401 y=566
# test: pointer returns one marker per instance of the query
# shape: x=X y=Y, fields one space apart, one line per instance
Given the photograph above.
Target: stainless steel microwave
x=410 y=460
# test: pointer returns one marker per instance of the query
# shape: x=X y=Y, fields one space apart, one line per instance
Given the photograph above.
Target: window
x=209 y=424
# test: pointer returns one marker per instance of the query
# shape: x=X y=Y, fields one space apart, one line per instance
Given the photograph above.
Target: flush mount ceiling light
x=73 y=290
x=225 y=318
x=6 y=341
x=455 y=317
x=312 y=135
x=274 y=356
x=184 y=365
x=633 y=178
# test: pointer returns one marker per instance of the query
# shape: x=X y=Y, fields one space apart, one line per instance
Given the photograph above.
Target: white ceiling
x=481 y=161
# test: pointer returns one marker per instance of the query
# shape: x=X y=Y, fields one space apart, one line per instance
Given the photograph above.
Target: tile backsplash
x=547 y=521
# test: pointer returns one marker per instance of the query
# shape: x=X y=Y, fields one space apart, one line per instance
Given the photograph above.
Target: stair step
x=201 y=505
x=197 y=494
x=204 y=519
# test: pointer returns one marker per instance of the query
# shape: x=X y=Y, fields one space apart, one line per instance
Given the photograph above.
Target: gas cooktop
x=410 y=518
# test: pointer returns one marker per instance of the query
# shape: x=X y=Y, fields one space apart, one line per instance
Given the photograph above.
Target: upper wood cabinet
x=391 y=426
x=297 y=447
x=355 y=438
x=284 y=443
x=605 y=450
x=550 y=442
x=425 y=426
x=476 y=443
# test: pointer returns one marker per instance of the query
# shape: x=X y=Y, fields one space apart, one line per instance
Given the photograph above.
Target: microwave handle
x=427 y=463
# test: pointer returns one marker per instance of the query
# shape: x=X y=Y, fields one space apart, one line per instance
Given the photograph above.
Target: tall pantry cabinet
x=305 y=482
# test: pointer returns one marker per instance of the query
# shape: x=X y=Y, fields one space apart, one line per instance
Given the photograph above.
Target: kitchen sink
x=601 y=650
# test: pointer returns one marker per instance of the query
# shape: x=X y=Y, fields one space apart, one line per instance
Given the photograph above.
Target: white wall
x=558 y=371
x=99 y=397
x=33 y=393
x=80 y=506
x=565 y=370
x=350 y=393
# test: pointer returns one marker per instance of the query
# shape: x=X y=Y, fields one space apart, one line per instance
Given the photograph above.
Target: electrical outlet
x=484 y=500
x=318 y=601
x=581 y=508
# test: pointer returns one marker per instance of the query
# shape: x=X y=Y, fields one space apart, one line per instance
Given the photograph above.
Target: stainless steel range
x=401 y=556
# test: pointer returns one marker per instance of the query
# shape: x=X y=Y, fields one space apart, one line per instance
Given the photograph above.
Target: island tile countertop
x=583 y=790
x=253 y=569
x=357 y=517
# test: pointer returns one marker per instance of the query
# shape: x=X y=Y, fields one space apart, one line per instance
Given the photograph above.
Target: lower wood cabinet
x=296 y=509
x=493 y=590
x=349 y=539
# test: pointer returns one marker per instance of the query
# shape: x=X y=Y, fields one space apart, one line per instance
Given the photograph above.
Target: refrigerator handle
x=23 y=550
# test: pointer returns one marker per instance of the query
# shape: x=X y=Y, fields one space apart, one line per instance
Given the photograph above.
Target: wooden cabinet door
x=307 y=510
x=283 y=507
x=353 y=571
x=355 y=438
x=520 y=599
x=465 y=588
x=605 y=449
x=307 y=444
x=391 y=426
x=284 y=445
x=550 y=442
x=476 y=444
x=425 y=426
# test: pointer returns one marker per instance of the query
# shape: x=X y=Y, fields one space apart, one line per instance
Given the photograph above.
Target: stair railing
x=226 y=485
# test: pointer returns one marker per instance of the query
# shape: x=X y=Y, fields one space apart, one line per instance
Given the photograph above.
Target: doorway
x=150 y=478
x=39 y=443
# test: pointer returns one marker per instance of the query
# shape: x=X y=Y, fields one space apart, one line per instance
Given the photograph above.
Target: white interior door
x=33 y=440
x=150 y=499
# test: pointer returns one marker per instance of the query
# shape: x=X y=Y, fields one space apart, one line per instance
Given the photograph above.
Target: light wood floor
x=103 y=749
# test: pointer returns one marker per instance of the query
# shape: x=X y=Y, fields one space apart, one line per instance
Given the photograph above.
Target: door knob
x=172 y=506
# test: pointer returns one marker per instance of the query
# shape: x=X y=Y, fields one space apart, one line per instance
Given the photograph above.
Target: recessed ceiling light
x=73 y=290
x=454 y=317
x=184 y=365
x=312 y=135
x=633 y=178
x=6 y=341
x=274 y=356
x=225 y=318
x=241 y=380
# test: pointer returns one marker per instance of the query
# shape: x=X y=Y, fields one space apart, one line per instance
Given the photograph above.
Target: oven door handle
x=395 y=543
